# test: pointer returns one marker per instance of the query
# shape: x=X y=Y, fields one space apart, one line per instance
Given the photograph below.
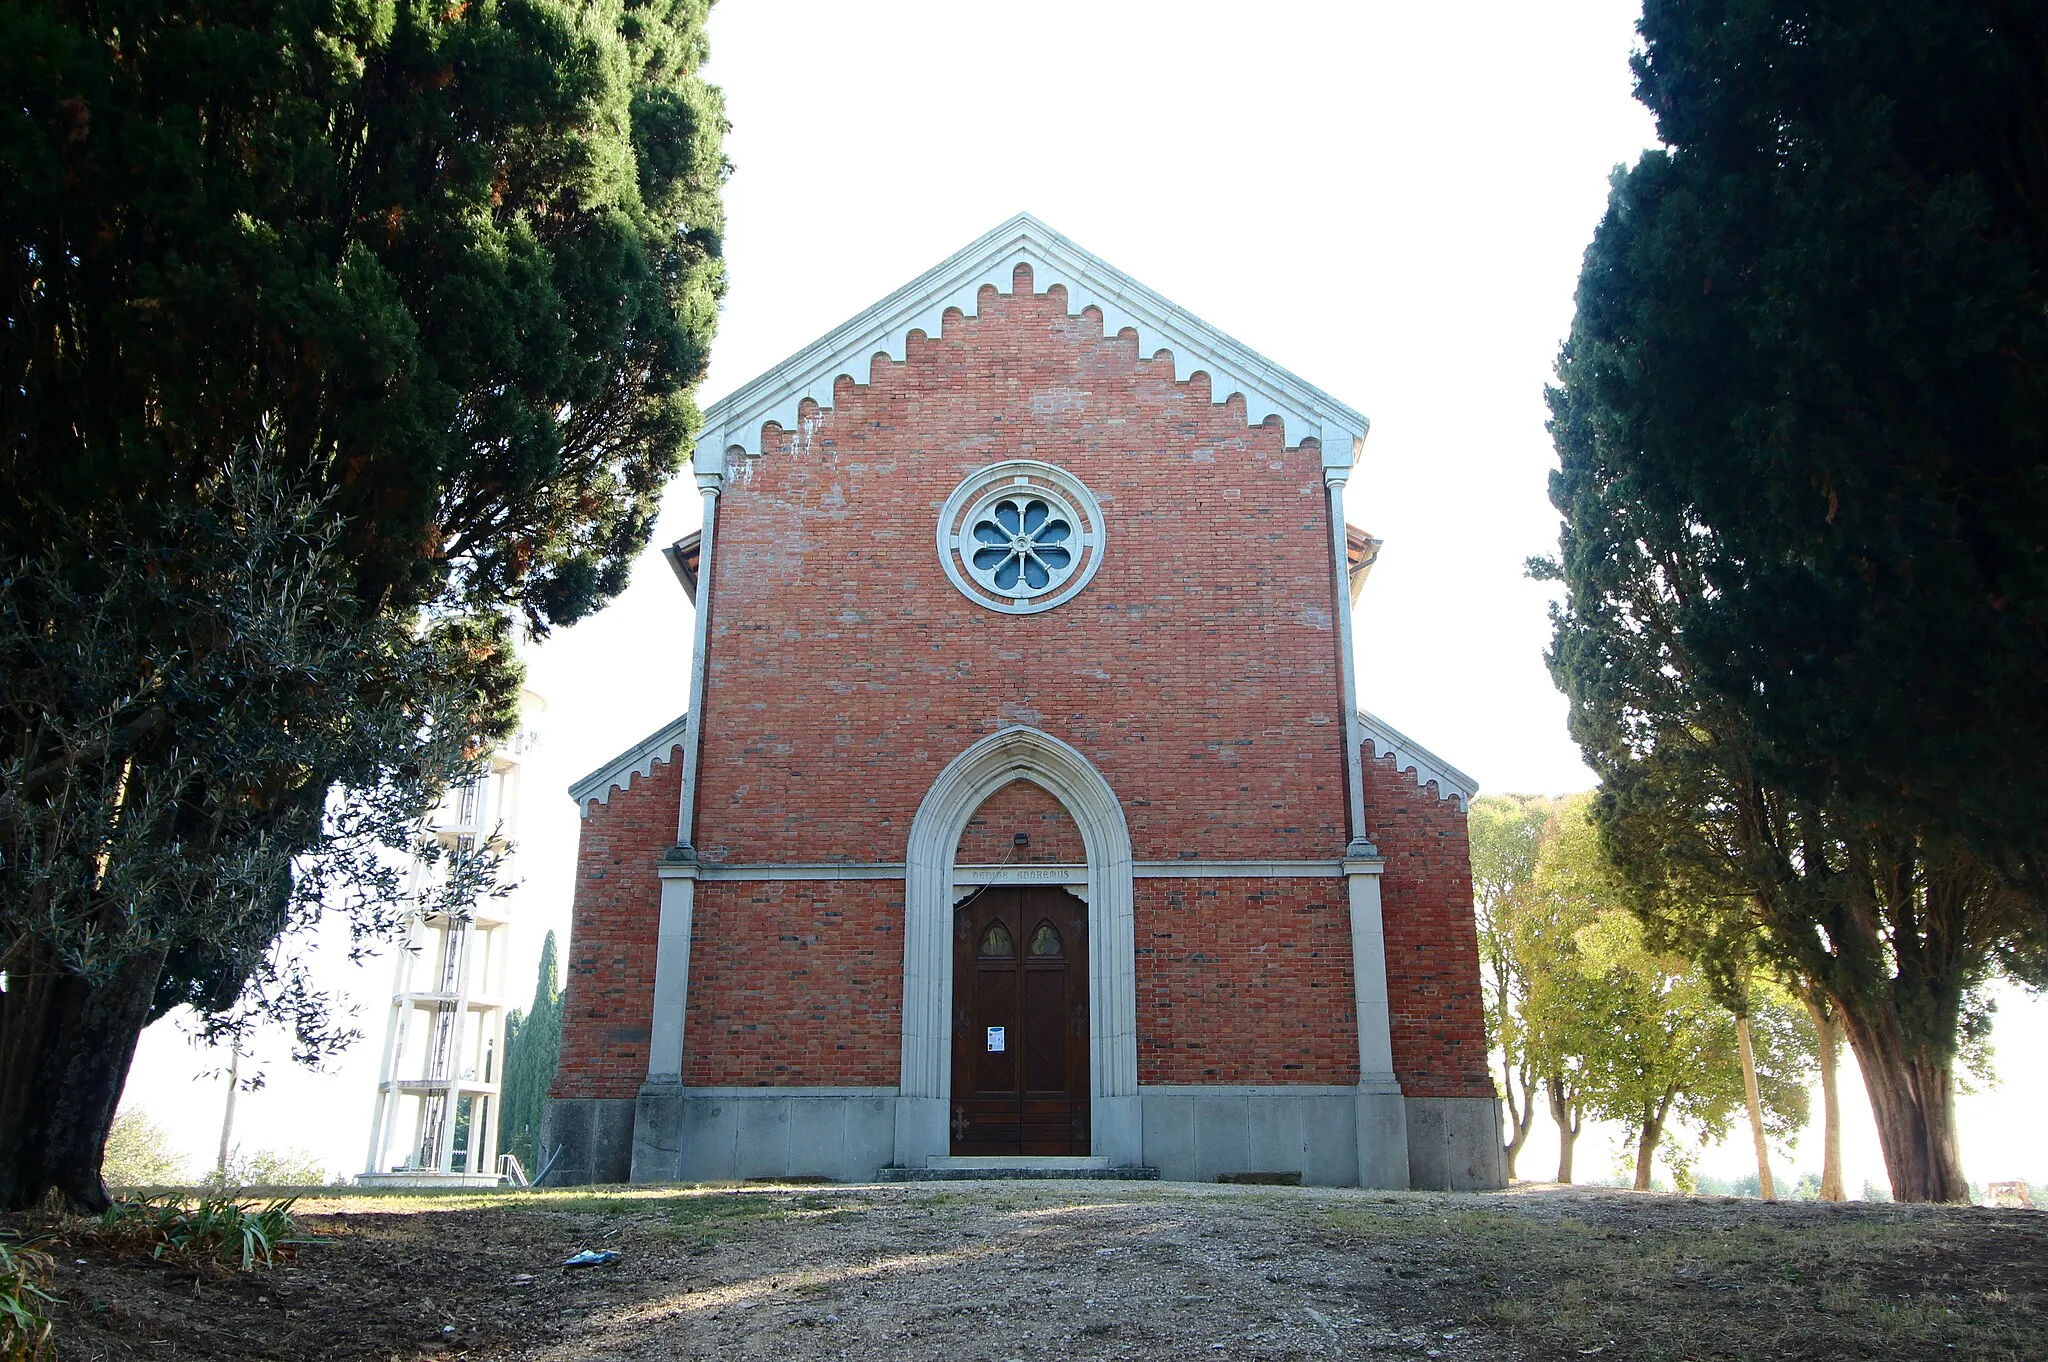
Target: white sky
x=1390 y=199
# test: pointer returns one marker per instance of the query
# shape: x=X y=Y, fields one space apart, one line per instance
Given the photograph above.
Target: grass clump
x=24 y=1305
x=214 y=1229
x=701 y=1221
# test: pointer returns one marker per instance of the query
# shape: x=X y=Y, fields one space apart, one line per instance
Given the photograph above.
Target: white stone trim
x=1410 y=755
x=979 y=489
x=637 y=760
x=1381 y=1113
x=892 y=870
x=1010 y=754
x=709 y=483
x=1369 y=978
x=1037 y=872
x=730 y=1092
x=1247 y=1089
x=733 y=424
x=671 y=973
x=1347 y=665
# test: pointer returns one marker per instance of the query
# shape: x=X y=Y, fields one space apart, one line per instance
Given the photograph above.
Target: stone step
x=1027 y=1168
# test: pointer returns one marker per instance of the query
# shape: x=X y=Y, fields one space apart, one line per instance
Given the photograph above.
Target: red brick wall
x=1197 y=670
x=1439 y=1022
x=1245 y=981
x=795 y=983
x=608 y=987
x=1020 y=806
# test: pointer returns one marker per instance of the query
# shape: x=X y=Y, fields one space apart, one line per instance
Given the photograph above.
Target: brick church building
x=1022 y=809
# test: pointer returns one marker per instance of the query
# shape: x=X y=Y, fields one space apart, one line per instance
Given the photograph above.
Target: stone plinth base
x=1192 y=1133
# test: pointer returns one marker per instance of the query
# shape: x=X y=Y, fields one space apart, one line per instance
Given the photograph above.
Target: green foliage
x=270 y=1168
x=215 y=1228
x=1640 y=1032
x=1804 y=408
x=139 y=1154
x=1801 y=420
x=171 y=736
x=1505 y=832
x=24 y=1305
x=533 y=1045
x=452 y=271
x=461 y=262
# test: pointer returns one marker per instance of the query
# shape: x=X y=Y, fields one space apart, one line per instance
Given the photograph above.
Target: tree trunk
x=1521 y=1116
x=227 y=1118
x=1912 y=1095
x=1765 y=1186
x=1646 y=1146
x=1564 y=1111
x=1830 y=1032
x=65 y=1048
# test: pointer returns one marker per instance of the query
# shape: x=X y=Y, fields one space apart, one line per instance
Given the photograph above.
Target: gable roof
x=732 y=425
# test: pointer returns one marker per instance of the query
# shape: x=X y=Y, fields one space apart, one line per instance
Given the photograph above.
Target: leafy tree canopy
x=1649 y=1043
x=1506 y=834
x=533 y=1045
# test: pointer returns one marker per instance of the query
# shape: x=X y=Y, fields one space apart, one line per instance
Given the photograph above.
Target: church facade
x=1021 y=808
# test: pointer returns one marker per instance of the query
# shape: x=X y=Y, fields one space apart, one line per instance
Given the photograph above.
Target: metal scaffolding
x=436 y=1121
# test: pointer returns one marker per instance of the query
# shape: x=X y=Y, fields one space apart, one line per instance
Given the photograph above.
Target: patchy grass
x=1085 y=1270
x=24 y=1305
x=1671 y=1278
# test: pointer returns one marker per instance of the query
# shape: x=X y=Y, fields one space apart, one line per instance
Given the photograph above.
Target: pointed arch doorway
x=1020 y=1023
x=924 y=1107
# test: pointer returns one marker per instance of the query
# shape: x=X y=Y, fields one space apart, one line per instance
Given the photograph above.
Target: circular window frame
x=978 y=493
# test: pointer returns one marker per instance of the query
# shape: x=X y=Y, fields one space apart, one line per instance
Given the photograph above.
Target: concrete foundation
x=1454 y=1144
x=594 y=1135
x=729 y=1134
x=1195 y=1133
x=1192 y=1133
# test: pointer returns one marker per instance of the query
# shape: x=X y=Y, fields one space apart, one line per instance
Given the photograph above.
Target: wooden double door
x=1020 y=1023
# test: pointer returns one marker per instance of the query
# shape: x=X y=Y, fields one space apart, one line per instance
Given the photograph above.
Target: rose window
x=1021 y=536
x=1022 y=545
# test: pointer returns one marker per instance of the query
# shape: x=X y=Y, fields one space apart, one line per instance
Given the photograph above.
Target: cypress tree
x=450 y=272
x=533 y=1046
x=1802 y=419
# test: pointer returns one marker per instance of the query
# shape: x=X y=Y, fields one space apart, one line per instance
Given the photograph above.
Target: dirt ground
x=967 y=1272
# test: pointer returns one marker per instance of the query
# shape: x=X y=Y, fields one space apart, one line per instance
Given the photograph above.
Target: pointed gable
x=733 y=425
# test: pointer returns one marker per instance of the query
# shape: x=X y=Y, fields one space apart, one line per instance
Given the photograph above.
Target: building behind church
x=1021 y=811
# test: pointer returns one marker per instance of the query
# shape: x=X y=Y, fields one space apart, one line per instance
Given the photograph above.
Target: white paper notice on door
x=998 y=1040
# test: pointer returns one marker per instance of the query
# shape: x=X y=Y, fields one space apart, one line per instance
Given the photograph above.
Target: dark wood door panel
x=1020 y=1023
x=1045 y=1030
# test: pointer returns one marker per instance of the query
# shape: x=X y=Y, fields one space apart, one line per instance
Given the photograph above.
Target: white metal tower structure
x=436 y=1121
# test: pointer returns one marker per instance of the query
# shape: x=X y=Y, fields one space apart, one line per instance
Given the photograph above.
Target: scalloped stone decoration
x=733 y=425
x=1382 y=739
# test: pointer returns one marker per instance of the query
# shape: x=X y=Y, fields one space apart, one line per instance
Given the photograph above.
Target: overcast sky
x=1390 y=199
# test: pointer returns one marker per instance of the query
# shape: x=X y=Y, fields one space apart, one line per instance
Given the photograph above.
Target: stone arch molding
x=925 y=1091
